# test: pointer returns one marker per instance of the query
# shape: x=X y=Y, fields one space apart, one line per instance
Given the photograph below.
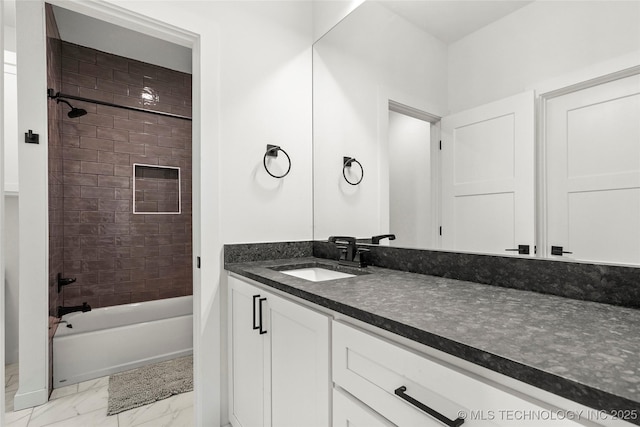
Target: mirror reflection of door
x=593 y=172
x=488 y=177
x=410 y=184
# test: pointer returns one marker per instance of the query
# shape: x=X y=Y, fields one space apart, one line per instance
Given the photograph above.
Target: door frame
x=392 y=100
x=2 y=311
x=605 y=72
x=122 y=16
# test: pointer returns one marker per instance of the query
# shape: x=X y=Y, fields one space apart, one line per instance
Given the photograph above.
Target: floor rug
x=148 y=384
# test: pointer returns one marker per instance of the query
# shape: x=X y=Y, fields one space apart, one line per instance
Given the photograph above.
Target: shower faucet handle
x=64 y=281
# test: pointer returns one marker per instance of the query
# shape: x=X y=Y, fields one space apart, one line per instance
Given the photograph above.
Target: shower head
x=75 y=112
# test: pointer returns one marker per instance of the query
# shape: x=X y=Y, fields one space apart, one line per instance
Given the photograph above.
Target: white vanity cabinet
x=408 y=389
x=278 y=360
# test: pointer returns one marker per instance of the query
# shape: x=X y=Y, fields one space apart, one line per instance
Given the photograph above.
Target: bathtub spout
x=66 y=310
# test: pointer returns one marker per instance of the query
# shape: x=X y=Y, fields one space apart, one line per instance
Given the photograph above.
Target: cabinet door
x=299 y=352
x=348 y=412
x=247 y=357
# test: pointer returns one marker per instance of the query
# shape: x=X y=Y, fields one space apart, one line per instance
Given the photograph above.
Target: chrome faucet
x=350 y=253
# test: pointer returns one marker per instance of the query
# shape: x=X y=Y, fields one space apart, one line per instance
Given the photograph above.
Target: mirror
x=395 y=78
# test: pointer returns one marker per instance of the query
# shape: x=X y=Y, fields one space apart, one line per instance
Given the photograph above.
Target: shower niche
x=156 y=189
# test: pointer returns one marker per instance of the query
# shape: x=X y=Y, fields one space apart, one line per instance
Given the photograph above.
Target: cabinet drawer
x=376 y=372
x=349 y=412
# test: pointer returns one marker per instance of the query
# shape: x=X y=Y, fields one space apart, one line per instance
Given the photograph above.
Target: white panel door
x=488 y=177
x=593 y=172
x=299 y=352
x=247 y=357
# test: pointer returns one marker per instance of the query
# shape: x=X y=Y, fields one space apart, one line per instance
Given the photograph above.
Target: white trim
x=179 y=190
x=2 y=274
x=11 y=193
x=407 y=110
x=109 y=12
x=30 y=398
x=33 y=246
x=567 y=83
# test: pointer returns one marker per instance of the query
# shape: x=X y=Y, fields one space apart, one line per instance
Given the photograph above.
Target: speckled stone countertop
x=584 y=351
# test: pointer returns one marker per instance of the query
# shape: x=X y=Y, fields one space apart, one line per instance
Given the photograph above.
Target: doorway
x=34 y=306
x=410 y=181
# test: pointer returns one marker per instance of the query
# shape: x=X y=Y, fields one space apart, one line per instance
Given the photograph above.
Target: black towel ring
x=346 y=163
x=272 y=151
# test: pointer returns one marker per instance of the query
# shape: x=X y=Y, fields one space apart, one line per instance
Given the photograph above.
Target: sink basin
x=317 y=274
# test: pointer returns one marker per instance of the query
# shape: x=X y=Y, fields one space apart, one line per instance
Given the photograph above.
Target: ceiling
x=452 y=20
x=107 y=37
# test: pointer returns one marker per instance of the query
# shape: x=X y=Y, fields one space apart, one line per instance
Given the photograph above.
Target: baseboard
x=30 y=399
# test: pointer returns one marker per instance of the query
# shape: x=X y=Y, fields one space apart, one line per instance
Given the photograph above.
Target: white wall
x=356 y=72
x=265 y=99
x=410 y=170
x=10 y=133
x=327 y=13
x=10 y=123
x=252 y=74
x=537 y=43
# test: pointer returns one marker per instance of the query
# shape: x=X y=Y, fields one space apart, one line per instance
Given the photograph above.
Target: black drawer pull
x=400 y=391
x=254 y=312
x=260 y=301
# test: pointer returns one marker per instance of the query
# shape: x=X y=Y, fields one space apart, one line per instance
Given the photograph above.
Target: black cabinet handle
x=254 y=312
x=400 y=391
x=260 y=301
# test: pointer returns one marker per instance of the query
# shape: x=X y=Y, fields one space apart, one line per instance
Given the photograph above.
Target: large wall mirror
x=502 y=127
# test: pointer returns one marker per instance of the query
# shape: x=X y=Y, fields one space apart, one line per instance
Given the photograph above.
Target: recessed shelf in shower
x=156 y=189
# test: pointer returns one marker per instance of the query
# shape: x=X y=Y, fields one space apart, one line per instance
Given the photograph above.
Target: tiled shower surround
x=117 y=256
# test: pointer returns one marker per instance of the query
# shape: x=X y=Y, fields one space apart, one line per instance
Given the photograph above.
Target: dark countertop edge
x=569 y=389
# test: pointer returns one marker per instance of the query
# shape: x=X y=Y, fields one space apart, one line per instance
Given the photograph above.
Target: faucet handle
x=343 y=251
x=343 y=239
x=358 y=256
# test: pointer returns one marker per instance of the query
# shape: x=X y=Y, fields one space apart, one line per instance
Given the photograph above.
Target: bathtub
x=114 y=339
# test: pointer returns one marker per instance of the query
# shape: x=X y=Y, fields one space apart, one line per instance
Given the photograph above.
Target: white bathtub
x=114 y=339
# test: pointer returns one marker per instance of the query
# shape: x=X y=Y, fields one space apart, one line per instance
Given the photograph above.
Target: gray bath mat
x=148 y=384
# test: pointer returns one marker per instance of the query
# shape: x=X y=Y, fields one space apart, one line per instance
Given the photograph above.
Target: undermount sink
x=317 y=274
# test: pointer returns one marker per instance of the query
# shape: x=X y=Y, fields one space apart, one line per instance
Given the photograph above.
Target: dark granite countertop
x=585 y=351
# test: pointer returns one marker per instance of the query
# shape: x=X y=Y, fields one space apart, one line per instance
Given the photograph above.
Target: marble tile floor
x=85 y=405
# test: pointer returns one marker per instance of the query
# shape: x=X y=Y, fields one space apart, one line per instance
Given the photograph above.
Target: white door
x=593 y=172
x=299 y=353
x=247 y=357
x=488 y=177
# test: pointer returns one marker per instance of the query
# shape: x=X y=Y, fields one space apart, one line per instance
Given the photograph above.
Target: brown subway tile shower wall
x=117 y=256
